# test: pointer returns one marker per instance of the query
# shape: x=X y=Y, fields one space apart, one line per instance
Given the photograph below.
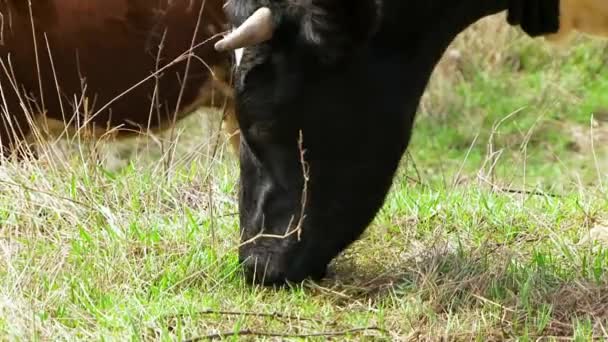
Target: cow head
x=326 y=94
x=311 y=179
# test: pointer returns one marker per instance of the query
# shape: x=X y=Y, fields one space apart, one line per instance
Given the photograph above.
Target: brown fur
x=98 y=50
x=585 y=16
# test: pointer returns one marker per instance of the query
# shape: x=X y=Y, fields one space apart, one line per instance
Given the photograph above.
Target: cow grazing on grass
x=326 y=94
x=110 y=64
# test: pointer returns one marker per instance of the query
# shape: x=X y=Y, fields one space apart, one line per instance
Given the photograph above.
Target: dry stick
x=298 y=228
x=248 y=332
x=528 y=192
x=516 y=191
x=305 y=175
x=274 y=315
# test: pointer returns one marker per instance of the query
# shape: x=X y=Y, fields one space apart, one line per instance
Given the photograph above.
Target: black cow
x=326 y=95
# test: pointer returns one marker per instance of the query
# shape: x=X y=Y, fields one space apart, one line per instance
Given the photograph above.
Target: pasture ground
x=496 y=227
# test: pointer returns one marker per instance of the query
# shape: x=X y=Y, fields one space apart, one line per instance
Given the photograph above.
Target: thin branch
x=529 y=192
x=273 y=315
x=248 y=332
x=517 y=191
x=298 y=227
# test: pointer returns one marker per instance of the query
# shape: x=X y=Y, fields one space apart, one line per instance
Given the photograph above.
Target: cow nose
x=267 y=271
x=261 y=271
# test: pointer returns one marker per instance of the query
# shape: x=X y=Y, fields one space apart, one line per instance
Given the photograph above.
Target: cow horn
x=258 y=28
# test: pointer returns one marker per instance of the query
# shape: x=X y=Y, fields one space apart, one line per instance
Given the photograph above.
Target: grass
x=495 y=227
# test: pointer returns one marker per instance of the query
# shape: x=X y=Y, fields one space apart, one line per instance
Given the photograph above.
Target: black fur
x=536 y=17
x=330 y=28
x=347 y=75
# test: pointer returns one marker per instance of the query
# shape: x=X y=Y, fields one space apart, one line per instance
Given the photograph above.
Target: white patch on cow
x=238 y=54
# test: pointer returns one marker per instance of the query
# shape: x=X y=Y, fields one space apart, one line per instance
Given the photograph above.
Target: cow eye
x=261 y=131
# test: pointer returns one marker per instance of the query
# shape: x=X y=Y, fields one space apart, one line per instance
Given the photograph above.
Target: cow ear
x=535 y=17
x=336 y=27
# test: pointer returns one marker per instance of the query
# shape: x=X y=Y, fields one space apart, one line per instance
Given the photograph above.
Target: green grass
x=491 y=231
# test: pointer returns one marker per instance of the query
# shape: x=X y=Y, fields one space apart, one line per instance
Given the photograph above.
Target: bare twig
x=273 y=315
x=248 y=332
x=529 y=192
x=306 y=176
x=517 y=191
x=298 y=227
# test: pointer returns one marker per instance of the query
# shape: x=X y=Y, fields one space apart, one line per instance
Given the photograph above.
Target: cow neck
x=415 y=34
x=407 y=24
